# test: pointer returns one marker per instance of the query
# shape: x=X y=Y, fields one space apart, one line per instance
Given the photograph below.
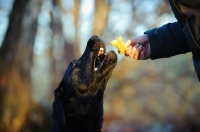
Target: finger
x=132 y=52
x=128 y=50
x=142 y=54
x=128 y=42
x=131 y=42
x=137 y=52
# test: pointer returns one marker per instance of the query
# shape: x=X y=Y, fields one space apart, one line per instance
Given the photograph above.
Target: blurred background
x=39 y=38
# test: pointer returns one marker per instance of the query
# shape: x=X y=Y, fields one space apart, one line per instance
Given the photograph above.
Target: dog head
x=80 y=92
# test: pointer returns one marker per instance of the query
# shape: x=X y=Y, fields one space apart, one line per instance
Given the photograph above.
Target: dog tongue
x=99 y=60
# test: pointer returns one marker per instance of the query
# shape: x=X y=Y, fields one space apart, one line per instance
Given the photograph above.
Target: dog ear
x=58 y=112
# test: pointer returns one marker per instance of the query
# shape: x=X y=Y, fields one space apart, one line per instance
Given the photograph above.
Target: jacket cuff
x=155 y=46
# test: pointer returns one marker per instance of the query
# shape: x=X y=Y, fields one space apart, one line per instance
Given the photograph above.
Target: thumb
x=128 y=42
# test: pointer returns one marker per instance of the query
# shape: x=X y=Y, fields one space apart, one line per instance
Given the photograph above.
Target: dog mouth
x=101 y=57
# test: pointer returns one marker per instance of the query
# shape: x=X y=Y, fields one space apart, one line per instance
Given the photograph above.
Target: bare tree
x=100 y=17
x=76 y=13
x=16 y=60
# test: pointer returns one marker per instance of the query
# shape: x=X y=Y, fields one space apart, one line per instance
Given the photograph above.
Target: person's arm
x=188 y=16
x=167 y=41
x=162 y=42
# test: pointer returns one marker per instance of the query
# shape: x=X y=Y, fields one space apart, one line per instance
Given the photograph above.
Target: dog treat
x=119 y=44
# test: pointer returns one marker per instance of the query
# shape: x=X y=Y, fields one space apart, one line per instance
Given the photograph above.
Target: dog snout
x=95 y=42
x=94 y=37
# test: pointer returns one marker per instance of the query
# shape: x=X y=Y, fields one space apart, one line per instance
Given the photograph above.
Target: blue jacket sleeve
x=167 y=41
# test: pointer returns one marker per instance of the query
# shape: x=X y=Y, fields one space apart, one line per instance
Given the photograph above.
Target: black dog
x=78 y=104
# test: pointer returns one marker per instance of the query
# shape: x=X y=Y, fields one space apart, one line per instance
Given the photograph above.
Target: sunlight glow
x=5 y=9
x=87 y=7
x=67 y=4
x=86 y=22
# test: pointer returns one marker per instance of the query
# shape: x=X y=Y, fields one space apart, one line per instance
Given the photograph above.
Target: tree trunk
x=61 y=52
x=16 y=61
x=75 y=13
x=100 y=17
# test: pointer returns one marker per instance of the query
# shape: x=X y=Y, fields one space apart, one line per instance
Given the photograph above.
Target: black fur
x=78 y=104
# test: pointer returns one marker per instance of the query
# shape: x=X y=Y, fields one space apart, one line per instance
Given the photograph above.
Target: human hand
x=138 y=48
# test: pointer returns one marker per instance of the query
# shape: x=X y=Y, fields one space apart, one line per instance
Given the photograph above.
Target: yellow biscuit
x=118 y=43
